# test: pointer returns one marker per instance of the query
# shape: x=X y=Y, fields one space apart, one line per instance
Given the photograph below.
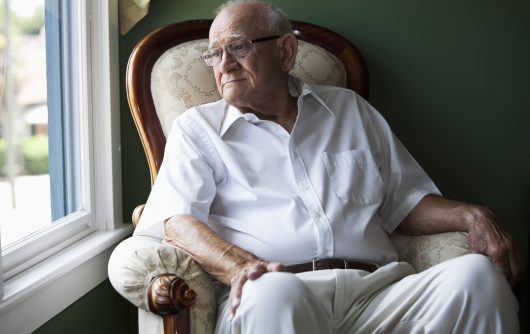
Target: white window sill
x=38 y=294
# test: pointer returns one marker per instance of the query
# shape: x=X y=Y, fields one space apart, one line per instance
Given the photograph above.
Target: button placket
x=312 y=203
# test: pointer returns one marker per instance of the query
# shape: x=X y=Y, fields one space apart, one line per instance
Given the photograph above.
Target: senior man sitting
x=287 y=193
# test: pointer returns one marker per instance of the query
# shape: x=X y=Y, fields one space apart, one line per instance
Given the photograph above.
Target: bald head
x=257 y=16
x=249 y=80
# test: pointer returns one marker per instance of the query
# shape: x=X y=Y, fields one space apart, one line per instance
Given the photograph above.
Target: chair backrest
x=165 y=75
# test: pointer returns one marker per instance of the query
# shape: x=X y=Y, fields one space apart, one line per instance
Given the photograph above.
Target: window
x=23 y=119
x=63 y=55
x=46 y=183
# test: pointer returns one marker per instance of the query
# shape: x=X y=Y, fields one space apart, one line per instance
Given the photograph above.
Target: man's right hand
x=226 y=262
x=249 y=270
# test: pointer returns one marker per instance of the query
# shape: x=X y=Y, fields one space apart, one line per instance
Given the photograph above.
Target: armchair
x=164 y=78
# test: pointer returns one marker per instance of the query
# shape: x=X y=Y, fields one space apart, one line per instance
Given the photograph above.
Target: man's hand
x=488 y=237
x=229 y=264
x=249 y=270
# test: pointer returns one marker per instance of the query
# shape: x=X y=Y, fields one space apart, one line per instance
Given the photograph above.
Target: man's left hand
x=487 y=236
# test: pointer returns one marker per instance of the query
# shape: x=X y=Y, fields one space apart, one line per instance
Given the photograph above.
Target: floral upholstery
x=180 y=80
x=316 y=66
x=424 y=251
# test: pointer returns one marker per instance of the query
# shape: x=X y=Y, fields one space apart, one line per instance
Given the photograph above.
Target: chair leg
x=170 y=297
x=177 y=323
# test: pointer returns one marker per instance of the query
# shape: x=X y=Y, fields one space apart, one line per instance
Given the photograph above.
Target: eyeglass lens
x=239 y=49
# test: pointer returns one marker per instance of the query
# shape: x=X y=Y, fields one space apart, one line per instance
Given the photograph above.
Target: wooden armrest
x=170 y=297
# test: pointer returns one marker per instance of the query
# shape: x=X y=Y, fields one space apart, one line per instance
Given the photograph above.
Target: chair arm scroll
x=170 y=297
x=168 y=293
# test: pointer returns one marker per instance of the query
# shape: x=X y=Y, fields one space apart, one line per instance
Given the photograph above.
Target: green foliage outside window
x=26 y=25
x=35 y=152
x=35 y=156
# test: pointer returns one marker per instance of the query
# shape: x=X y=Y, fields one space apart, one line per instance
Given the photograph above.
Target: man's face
x=252 y=79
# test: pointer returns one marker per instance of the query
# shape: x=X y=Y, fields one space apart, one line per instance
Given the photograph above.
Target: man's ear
x=288 y=45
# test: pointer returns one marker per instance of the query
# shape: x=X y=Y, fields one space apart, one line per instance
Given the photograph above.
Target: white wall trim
x=104 y=72
x=37 y=295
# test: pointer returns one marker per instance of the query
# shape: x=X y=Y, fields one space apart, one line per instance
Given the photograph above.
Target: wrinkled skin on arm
x=227 y=263
x=487 y=236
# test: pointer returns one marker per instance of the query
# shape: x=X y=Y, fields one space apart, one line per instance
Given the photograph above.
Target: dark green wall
x=101 y=311
x=452 y=77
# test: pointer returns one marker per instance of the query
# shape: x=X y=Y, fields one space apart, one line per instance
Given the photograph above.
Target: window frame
x=63 y=44
x=58 y=277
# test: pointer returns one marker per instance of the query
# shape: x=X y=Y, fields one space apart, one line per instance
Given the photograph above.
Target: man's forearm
x=229 y=264
x=487 y=236
x=435 y=214
x=218 y=257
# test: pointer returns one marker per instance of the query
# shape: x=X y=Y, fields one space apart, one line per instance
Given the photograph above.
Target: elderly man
x=278 y=173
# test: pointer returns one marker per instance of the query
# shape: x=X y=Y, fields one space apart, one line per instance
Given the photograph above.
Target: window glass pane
x=27 y=106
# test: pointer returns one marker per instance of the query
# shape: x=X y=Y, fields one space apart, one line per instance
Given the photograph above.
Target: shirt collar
x=231 y=115
x=297 y=88
x=300 y=89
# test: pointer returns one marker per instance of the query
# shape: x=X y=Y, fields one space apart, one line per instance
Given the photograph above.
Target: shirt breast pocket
x=354 y=176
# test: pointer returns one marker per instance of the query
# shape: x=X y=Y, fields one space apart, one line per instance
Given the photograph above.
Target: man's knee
x=475 y=279
x=272 y=296
x=473 y=271
x=279 y=303
x=472 y=295
x=274 y=288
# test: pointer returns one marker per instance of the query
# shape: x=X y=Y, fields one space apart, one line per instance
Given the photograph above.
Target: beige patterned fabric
x=316 y=66
x=180 y=80
x=149 y=323
x=138 y=259
x=424 y=251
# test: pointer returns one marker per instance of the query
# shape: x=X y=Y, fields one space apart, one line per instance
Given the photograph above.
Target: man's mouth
x=232 y=81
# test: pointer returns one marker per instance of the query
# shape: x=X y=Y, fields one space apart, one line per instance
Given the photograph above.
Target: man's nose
x=227 y=63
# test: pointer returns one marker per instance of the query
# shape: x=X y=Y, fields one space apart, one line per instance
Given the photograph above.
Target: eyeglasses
x=238 y=49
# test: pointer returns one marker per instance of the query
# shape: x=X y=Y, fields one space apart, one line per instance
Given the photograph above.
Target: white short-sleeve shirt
x=336 y=186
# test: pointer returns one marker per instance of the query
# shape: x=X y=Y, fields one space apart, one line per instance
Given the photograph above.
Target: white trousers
x=463 y=295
